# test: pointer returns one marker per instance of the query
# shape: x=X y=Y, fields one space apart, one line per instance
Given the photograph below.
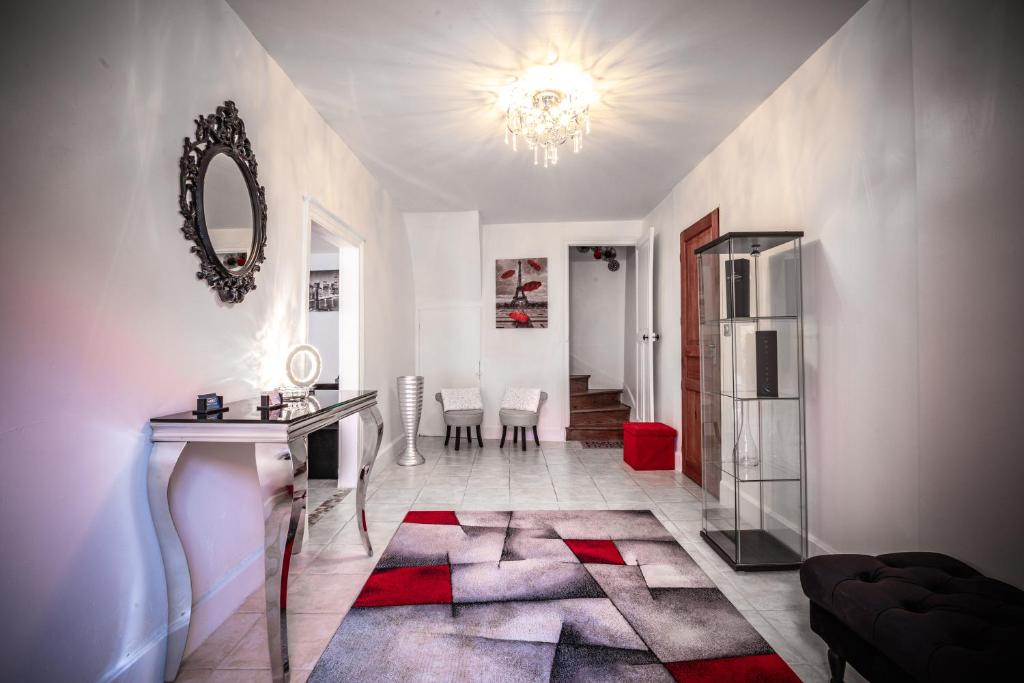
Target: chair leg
x=469 y=438
x=515 y=435
x=479 y=439
x=524 y=437
x=536 y=439
x=447 y=434
x=458 y=435
x=504 y=431
x=836 y=667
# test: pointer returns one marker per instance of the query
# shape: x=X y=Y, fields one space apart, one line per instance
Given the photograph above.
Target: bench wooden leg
x=836 y=667
x=515 y=435
x=536 y=439
x=458 y=435
x=524 y=437
x=504 y=431
x=479 y=439
x=447 y=434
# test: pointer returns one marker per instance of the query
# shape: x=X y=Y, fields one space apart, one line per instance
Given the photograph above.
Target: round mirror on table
x=224 y=206
x=303 y=367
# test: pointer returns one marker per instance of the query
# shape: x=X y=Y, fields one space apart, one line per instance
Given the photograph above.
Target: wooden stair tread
x=596 y=392
x=579 y=376
x=601 y=409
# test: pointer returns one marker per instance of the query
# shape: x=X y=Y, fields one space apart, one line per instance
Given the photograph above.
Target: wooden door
x=701 y=232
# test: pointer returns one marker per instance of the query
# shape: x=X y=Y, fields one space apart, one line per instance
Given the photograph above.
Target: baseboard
x=679 y=461
x=209 y=611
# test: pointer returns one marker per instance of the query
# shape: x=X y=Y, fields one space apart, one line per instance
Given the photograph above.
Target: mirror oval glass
x=227 y=209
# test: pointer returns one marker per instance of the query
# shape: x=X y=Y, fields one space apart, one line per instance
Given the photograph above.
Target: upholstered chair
x=460 y=419
x=519 y=420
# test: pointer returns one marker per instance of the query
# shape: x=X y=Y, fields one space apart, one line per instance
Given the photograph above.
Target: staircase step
x=593 y=433
x=595 y=398
x=578 y=383
x=610 y=416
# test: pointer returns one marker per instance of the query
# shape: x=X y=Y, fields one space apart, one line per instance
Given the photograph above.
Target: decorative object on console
x=520 y=303
x=209 y=404
x=224 y=206
x=752 y=411
x=410 y=406
x=271 y=400
x=303 y=367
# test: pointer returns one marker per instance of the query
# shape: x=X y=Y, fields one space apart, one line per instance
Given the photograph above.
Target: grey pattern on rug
x=548 y=596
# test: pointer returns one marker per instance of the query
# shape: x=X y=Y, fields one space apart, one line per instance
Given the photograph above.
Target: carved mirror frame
x=221 y=133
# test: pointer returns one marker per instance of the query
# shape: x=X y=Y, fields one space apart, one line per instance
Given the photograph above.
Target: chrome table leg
x=370 y=418
x=284 y=512
x=162 y=460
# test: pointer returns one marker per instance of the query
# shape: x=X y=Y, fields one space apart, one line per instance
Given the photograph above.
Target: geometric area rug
x=595 y=595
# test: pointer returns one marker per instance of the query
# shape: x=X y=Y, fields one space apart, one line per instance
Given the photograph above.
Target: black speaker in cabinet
x=767 y=363
x=737 y=288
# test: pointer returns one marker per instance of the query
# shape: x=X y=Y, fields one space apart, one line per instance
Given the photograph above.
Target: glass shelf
x=750 y=395
x=751 y=319
x=766 y=471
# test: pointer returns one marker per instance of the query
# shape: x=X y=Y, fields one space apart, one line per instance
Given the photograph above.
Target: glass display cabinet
x=752 y=404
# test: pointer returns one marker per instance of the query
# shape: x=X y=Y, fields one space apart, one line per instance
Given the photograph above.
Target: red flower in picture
x=533 y=264
x=532 y=285
x=507 y=274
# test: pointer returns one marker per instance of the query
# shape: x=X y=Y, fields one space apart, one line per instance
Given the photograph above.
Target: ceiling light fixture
x=547 y=107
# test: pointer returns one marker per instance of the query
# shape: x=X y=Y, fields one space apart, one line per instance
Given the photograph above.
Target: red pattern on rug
x=427 y=585
x=753 y=669
x=431 y=517
x=595 y=551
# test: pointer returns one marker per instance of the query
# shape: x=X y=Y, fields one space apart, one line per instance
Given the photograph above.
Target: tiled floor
x=328 y=574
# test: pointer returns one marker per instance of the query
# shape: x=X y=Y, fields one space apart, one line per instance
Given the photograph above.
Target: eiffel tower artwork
x=521 y=293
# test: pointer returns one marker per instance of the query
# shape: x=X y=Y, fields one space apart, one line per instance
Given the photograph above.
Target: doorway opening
x=334 y=325
x=603 y=319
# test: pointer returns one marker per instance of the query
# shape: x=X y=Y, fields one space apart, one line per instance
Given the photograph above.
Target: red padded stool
x=649 y=445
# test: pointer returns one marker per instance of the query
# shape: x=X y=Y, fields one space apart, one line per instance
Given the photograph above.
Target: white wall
x=535 y=357
x=897 y=162
x=597 y=319
x=831 y=152
x=969 y=112
x=446 y=266
x=325 y=326
x=105 y=324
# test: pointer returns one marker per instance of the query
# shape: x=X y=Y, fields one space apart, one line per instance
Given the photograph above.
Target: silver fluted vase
x=410 y=405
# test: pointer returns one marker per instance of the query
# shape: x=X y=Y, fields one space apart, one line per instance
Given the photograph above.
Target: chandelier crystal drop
x=546 y=113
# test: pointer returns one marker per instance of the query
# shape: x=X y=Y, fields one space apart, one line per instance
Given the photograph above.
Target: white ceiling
x=410 y=85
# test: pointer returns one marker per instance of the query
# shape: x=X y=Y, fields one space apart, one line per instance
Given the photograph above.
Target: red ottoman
x=649 y=445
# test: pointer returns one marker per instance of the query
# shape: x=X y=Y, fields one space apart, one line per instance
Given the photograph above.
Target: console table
x=284 y=507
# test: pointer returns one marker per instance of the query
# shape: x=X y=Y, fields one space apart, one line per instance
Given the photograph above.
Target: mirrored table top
x=248 y=410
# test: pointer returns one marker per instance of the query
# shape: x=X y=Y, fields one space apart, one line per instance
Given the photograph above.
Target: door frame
x=347 y=239
x=710 y=221
x=572 y=243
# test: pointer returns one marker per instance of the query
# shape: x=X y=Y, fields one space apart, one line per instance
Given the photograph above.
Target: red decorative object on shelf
x=649 y=445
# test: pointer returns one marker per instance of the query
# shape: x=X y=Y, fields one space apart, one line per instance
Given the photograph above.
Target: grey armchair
x=519 y=420
x=460 y=419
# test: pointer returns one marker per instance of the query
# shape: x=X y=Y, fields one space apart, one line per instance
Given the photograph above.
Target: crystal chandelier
x=547 y=108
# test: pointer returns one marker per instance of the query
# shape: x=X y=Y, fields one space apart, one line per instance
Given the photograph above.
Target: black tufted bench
x=915 y=617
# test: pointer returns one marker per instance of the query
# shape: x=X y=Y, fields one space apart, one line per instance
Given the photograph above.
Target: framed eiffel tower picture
x=521 y=293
